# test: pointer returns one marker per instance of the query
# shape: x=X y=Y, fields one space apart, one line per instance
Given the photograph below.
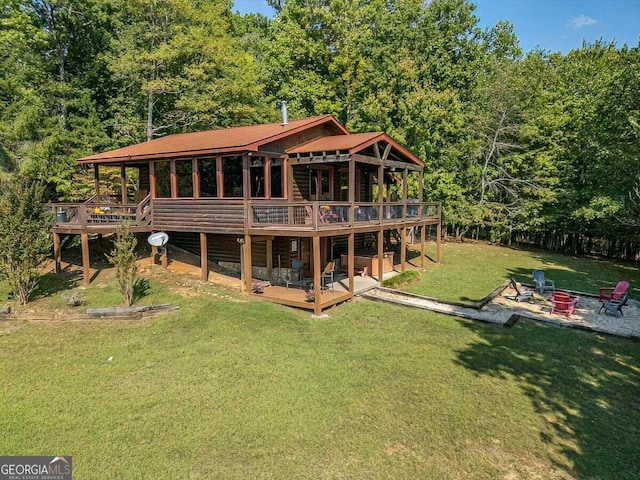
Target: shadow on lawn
x=52 y=283
x=585 y=386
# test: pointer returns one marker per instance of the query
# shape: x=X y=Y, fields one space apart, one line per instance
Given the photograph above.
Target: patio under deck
x=295 y=297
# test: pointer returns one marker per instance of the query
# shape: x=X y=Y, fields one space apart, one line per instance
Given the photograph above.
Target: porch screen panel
x=208 y=180
x=276 y=179
x=232 y=171
x=257 y=177
x=184 y=172
x=163 y=179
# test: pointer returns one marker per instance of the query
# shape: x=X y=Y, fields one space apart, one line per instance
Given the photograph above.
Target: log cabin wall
x=225 y=248
x=143 y=175
x=301 y=188
x=365 y=185
x=199 y=215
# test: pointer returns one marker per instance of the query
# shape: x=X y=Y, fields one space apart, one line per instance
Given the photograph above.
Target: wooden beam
x=246 y=177
x=269 y=258
x=380 y=256
x=204 y=258
x=317 y=270
x=174 y=179
x=405 y=191
x=267 y=178
x=380 y=192
x=248 y=268
x=422 y=242
x=351 y=261
x=376 y=151
x=403 y=248
x=96 y=173
x=387 y=150
x=56 y=252
x=438 y=235
x=315 y=159
x=86 y=272
x=387 y=163
x=195 y=177
x=123 y=183
x=219 y=177
x=352 y=182
x=420 y=186
x=288 y=168
x=152 y=179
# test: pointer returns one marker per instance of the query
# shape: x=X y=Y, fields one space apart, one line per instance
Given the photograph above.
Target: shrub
x=123 y=257
x=25 y=235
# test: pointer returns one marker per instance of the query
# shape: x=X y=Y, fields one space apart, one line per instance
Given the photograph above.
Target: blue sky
x=554 y=25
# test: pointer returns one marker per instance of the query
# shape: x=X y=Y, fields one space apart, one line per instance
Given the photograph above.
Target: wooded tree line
x=541 y=148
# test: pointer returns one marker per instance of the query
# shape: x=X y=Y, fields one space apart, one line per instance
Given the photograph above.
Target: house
x=278 y=201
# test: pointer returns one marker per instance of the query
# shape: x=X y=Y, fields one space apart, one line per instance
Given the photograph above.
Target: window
x=232 y=170
x=184 y=174
x=208 y=179
x=163 y=179
x=256 y=171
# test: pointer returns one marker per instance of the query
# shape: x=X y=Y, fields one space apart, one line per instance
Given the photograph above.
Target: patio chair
x=614 y=306
x=328 y=273
x=542 y=283
x=563 y=304
x=614 y=293
x=521 y=295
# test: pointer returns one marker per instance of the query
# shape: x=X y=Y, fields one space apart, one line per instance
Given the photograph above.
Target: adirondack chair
x=563 y=304
x=521 y=295
x=328 y=273
x=614 y=306
x=614 y=293
x=543 y=284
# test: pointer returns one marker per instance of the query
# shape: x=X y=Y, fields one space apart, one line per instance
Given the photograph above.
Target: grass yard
x=235 y=388
x=470 y=271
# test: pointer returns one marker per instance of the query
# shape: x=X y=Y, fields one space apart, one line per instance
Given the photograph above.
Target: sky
x=553 y=25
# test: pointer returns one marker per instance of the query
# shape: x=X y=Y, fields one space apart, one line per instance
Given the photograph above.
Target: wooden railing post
x=82 y=215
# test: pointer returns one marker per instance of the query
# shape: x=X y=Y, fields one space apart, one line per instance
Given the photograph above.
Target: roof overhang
x=132 y=154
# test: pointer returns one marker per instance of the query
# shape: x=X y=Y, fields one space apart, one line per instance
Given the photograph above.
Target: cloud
x=582 y=21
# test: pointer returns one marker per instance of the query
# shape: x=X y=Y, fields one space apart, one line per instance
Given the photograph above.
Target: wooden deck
x=295 y=297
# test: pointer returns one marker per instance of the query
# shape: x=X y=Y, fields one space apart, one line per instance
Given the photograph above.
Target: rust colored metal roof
x=231 y=140
x=354 y=143
x=335 y=142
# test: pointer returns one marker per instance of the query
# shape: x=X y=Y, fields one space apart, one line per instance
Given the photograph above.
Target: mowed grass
x=235 y=388
x=470 y=271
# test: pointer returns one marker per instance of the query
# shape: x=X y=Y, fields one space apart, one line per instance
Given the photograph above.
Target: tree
x=25 y=240
x=178 y=68
x=123 y=258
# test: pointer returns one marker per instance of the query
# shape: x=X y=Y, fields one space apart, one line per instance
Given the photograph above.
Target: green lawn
x=469 y=272
x=231 y=388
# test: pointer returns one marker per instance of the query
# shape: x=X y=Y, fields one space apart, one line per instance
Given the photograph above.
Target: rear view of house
x=280 y=201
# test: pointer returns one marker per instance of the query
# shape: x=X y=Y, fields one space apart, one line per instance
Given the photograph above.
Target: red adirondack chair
x=563 y=304
x=614 y=293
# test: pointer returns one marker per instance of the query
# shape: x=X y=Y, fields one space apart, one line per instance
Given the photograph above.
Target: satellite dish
x=158 y=239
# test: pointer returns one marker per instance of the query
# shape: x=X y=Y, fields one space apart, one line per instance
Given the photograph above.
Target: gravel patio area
x=585 y=316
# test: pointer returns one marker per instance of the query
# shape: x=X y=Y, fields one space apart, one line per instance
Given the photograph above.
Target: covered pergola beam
x=385 y=163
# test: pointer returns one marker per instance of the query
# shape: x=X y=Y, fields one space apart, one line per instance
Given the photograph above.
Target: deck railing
x=179 y=213
x=325 y=215
x=83 y=216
